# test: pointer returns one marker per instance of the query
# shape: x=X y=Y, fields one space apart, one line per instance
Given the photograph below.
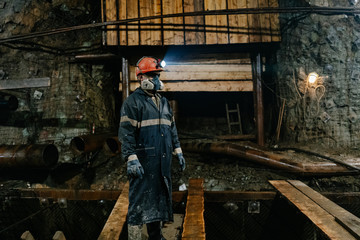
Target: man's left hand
x=181 y=158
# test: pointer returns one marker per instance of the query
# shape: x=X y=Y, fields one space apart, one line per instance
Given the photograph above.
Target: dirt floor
x=220 y=172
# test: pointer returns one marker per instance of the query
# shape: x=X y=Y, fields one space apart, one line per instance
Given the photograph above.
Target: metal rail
x=309 y=10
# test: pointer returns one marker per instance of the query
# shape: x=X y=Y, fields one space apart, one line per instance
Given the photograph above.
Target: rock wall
x=78 y=97
x=328 y=110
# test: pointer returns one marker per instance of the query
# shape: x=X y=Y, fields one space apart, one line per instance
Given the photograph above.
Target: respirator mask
x=152 y=82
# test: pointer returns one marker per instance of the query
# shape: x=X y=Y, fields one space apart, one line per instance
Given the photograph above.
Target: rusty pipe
x=112 y=146
x=36 y=155
x=264 y=157
x=9 y=102
x=88 y=143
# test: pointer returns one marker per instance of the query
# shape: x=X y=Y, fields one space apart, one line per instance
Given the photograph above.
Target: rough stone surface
x=78 y=97
x=326 y=112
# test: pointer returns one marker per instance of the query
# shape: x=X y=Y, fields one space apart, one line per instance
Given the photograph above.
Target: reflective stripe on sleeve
x=133 y=122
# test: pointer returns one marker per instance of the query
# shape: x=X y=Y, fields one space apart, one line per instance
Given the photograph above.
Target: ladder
x=230 y=112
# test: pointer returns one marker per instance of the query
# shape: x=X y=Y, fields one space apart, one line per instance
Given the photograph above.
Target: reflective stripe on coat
x=150 y=134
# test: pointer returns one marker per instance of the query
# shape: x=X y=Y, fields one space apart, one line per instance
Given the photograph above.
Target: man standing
x=148 y=138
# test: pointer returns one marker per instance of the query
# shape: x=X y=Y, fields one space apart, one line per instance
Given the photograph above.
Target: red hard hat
x=148 y=64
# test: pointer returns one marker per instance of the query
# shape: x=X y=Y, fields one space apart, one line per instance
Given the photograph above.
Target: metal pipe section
x=112 y=146
x=88 y=143
x=267 y=158
x=36 y=155
x=9 y=103
x=125 y=79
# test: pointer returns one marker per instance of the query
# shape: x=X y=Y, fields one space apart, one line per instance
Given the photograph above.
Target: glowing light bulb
x=312 y=77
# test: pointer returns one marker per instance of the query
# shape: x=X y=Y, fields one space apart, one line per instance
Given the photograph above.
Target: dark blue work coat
x=149 y=133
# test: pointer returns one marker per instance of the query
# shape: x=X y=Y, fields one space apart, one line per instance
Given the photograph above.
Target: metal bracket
x=253 y=207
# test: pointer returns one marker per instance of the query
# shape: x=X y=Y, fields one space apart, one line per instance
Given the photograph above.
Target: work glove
x=134 y=169
x=181 y=158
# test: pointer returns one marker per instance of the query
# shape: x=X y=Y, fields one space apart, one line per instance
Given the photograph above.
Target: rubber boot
x=134 y=232
x=154 y=231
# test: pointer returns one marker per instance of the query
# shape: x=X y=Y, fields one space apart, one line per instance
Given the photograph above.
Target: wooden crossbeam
x=194 y=224
x=117 y=218
x=312 y=210
x=25 y=83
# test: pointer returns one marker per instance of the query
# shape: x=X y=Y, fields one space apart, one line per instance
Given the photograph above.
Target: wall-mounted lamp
x=312 y=77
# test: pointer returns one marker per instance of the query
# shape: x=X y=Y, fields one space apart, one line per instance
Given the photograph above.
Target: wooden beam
x=346 y=219
x=69 y=194
x=122 y=28
x=145 y=11
x=194 y=23
x=203 y=72
x=125 y=79
x=132 y=30
x=254 y=23
x=203 y=86
x=258 y=99
x=111 y=30
x=25 y=83
x=222 y=23
x=194 y=224
x=117 y=218
x=275 y=22
x=320 y=217
x=210 y=22
x=265 y=23
x=239 y=32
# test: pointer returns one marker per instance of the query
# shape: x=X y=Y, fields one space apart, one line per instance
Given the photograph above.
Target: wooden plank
x=194 y=224
x=25 y=83
x=179 y=31
x=208 y=68
x=69 y=194
x=174 y=34
x=265 y=22
x=243 y=24
x=133 y=28
x=241 y=75
x=274 y=22
x=348 y=220
x=111 y=30
x=210 y=23
x=194 y=24
x=321 y=218
x=222 y=23
x=168 y=8
x=122 y=27
x=254 y=23
x=145 y=34
x=203 y=72
x=117 y=218
x=214 y=86
x=155 y=30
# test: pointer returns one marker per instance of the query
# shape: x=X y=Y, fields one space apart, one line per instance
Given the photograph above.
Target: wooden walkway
x=194 y=224
x=117 y=218
x=334 y=221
